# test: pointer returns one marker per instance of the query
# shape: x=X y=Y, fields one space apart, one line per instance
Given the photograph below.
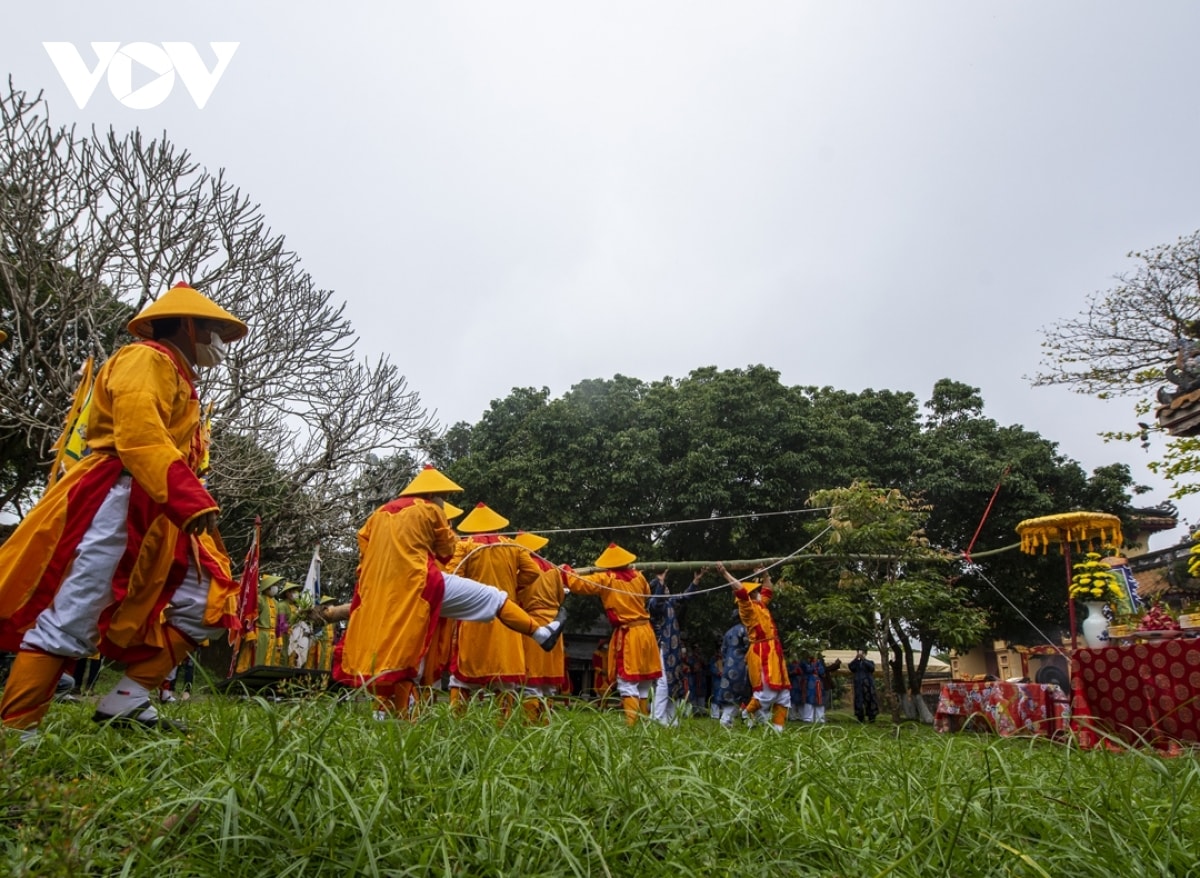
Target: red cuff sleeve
x=186 y=497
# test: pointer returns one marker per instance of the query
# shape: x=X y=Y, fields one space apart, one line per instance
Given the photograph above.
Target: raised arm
x=729 y=577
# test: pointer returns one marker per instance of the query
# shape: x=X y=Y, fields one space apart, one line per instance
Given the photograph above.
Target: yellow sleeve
x=142 y=388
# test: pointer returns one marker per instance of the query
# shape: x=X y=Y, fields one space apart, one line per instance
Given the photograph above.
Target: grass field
x=317 y=787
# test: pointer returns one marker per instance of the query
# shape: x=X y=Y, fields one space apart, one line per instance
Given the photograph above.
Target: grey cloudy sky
x=861 y=195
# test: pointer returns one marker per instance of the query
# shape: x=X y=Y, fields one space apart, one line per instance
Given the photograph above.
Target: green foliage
x=963 y=458
x=1179 y=465
x=892 y=588
x=319 y=788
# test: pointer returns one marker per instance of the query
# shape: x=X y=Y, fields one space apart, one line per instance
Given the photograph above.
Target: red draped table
x=1008 y=708
x=1145 y=693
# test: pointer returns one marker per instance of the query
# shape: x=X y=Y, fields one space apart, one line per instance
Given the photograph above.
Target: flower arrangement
x=1094 y=580
x=1194 y=556
x=1189 y=616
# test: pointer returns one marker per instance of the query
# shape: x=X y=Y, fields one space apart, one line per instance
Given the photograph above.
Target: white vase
x=1095 y=627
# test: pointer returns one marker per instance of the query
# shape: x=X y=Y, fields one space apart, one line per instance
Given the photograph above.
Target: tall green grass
x=318 y=787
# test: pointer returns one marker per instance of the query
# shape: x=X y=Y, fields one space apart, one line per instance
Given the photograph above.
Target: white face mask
x=211 y=354
x=272 y=591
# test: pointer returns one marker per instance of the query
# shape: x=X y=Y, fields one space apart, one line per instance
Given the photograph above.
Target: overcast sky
x=861 y=195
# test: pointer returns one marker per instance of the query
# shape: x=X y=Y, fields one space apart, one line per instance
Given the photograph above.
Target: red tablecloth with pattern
x=1146 y=693
x=1008 y=708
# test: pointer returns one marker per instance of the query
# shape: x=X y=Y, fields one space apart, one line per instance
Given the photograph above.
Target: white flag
x=312 y=582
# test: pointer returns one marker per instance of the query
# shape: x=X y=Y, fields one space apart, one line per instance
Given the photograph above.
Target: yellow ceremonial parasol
x=1065 y=529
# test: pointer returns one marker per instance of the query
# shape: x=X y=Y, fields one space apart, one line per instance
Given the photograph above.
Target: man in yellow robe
x=487 y=655
x=634 y=662
x=401 y=592
x=545 y=672
x=765 y=661
x=121 y=553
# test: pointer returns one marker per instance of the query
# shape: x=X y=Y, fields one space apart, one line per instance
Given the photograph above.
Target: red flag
x=247 y=610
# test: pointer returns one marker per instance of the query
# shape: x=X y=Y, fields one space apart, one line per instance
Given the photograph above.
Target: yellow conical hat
x=429 y=481
x=183 y=301
x=751 y=586
x=267 y=580
x=482 y=520
x=289 y=586
x=614 y=556
x=532 y=542
x=451 y=510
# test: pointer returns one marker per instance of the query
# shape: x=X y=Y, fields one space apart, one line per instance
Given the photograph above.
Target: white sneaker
x=127 y=695
x=167 y=696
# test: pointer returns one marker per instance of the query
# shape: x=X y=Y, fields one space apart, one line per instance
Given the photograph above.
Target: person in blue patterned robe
x=812 y=709
x=733 y=689
x=666 y=617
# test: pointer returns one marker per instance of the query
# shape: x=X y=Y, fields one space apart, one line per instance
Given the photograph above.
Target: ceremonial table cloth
x=1008 y=708
x=1143 y=693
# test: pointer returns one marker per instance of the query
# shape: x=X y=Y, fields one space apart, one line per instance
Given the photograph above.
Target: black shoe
x=131 y=719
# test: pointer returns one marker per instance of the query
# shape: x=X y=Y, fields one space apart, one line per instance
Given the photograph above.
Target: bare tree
x=1125 y=337
x=1138 y=339
x=91 y=230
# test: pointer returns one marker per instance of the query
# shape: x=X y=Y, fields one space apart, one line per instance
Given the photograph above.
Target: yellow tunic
x=764 y=660
x=398 y=596
x=488 y=652
x=633 y=651
x=320 y=652
x=266 y=626
x=541 y=600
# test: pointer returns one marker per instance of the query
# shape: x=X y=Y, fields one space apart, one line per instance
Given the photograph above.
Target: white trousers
x=70 y=626
x=767 y=697
x=634 y=688
x=662 y=708
x=471 y=601
x=497 y=686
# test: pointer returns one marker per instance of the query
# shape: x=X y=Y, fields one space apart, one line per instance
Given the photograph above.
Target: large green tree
x=890 y=587
x=720 y=465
